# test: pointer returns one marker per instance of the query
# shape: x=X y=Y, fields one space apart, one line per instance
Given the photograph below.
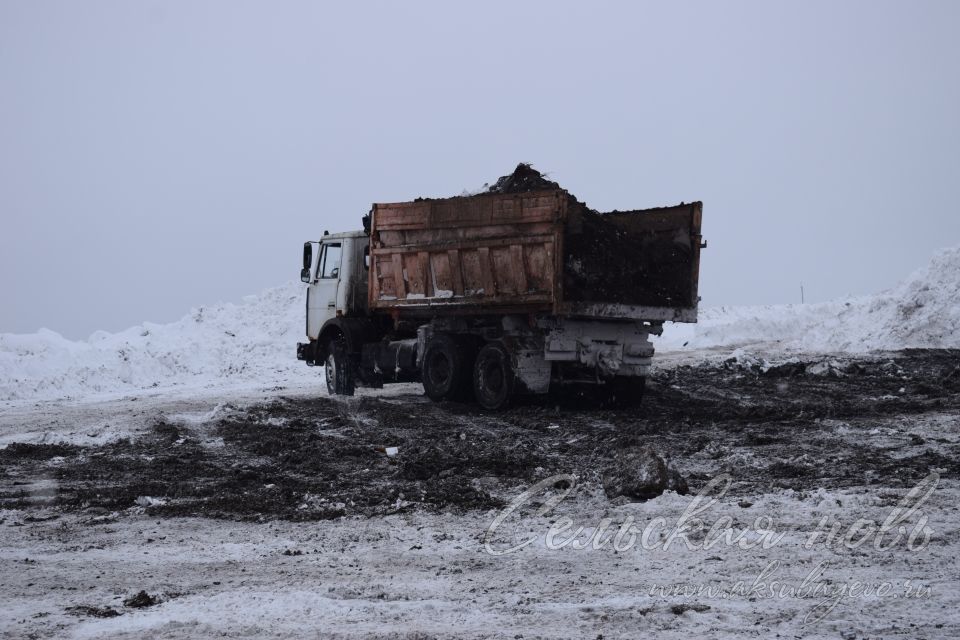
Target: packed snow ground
x=252 y=343
x=427 y=575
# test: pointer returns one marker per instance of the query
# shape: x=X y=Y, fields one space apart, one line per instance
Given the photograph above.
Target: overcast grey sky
x=160 y=155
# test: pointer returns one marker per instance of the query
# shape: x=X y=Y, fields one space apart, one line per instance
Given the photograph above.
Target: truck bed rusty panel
x=540 y=251
x=481 y=253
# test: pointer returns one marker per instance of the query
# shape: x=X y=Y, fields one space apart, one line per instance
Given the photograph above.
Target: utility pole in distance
x=801 y=293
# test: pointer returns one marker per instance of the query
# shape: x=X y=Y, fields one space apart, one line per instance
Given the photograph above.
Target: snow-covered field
x=802 y=454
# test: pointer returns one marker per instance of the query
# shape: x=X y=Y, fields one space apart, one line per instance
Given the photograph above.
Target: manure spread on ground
x=313 y=459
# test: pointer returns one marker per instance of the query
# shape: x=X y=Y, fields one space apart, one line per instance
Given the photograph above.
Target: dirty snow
x=922 y=311
x=426 y=575
x=421 y=573
x=213 y=346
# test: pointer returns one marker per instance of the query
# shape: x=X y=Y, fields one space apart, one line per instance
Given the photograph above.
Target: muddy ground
x=792 y=425
x=280 y=513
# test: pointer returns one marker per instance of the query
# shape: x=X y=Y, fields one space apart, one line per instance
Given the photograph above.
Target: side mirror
x=307 y=262
x=335 y=272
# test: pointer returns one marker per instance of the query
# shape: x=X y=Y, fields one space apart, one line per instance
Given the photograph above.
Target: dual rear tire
x=452 y=367
x=623 y=393
x=494 y=380
x=445 y=368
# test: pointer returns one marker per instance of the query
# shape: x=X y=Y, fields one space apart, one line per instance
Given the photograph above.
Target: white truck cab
x=335 y=270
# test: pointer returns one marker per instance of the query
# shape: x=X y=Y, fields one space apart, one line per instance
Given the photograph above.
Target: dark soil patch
x=140 y=600
x=24 y=450
x=313 y=459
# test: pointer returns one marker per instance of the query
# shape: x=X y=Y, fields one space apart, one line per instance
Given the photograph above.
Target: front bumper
x=307 y=351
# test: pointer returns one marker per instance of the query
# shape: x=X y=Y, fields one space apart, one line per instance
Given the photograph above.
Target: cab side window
x=330 y=268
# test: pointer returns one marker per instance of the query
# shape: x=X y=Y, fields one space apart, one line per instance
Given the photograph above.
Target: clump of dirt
x=140 y=600
x=680 y=609
x=640 y=473
x=94 y=612
x=523 y=179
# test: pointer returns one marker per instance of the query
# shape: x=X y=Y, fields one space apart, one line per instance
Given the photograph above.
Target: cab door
x=322 y=292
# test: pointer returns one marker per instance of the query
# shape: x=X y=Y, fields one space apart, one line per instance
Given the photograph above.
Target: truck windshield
x=331 y=261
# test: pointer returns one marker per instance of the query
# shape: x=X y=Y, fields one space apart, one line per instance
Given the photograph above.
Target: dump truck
x=518 y=290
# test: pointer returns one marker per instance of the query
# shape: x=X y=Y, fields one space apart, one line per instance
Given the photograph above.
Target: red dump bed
x=535 y=252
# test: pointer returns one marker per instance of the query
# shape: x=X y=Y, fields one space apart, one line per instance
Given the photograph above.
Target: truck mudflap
x=306 y=351
x=533 y=371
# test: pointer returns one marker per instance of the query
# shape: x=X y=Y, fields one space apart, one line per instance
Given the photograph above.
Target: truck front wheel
x=493 y=377
x=337 y=368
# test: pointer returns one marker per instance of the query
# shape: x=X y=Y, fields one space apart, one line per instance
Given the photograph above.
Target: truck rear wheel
x=337 y=368
x=623 y=392
x=493 y=377
x=445 y=368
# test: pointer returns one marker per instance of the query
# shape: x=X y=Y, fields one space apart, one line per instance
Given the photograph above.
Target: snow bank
x=224 y=344
x=923 y=311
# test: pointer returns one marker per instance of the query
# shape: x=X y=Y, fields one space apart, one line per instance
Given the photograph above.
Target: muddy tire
x=445 y=368
x=624 y=392
x=493 y=378
x=337 y=368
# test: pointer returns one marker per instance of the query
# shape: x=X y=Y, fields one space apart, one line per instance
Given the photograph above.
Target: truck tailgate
x=642 y=264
